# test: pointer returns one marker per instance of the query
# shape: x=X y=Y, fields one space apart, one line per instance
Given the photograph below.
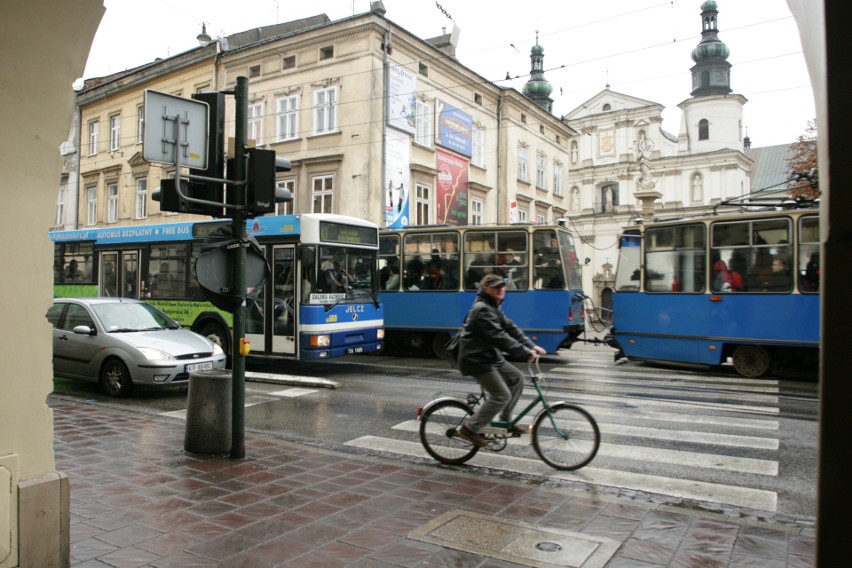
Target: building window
x=91 y=205
x=703 y=129
x=287 y=125
x=523 y=163
x=112 y=202
x=114 y=132
x=60 y=206
x=325 y=110
x=540 y=172
x=575 y=153
x=607 y=107
x=287 y=207
x=326 y=52
x=422 y=204
x=539 y=219
x=523 y=118
x=141 y=197
x=254 y=71
x=322 y=188
x=523 y=215
x=140 y=124
x=425 y=122
x=423 y=69
x=94 y=136
x=477 y=208
x=478 y=140
x=289 y=62
x=255 y=123
x=477 y=98
x=557 y=179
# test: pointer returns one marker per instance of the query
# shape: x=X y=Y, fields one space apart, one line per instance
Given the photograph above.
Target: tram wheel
x=438 y=341
x=751 y=361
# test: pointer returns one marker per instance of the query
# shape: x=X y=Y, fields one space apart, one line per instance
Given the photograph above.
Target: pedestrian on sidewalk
x=487 y=334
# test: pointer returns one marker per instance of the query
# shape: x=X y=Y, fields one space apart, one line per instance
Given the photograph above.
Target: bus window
x=675 y=259
x=809 y=254
x=109 y=274
x=167 y=271
x=77 y=263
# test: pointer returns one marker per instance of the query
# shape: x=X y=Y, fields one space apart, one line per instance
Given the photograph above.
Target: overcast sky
x=638 y=47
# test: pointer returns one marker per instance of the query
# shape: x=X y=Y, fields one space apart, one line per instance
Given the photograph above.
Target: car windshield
x=124 y=317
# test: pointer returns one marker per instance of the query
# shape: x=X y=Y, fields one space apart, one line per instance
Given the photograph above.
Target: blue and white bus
x=429 y=276
x=701 y=291
x=298 y=314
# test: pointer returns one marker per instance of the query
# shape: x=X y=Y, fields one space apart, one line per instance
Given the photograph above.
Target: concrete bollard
x=208 y=413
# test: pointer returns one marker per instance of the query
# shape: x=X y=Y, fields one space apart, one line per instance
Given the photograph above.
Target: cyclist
x=487 y=334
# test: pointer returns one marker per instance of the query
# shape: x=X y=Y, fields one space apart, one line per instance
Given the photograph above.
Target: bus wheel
x=751 y=361
x=438 y=341
x=217 y=334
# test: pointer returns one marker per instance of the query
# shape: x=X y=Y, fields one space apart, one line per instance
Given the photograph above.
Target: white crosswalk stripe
x=706 y=436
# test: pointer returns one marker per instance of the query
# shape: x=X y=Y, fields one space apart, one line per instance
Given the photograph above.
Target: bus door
x=271 y=322
x=119 y=273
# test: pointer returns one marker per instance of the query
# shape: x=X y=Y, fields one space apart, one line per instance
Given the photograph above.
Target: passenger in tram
x=725 y=280
x=780 y=280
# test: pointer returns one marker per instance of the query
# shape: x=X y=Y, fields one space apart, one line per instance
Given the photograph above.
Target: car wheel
x=115 y=378
x=217 y=334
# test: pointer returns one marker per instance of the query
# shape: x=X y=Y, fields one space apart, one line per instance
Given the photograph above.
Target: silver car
x=120 y=343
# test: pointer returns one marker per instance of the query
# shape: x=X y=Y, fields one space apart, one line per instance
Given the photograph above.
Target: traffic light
x=168 y=196
x=261 y=191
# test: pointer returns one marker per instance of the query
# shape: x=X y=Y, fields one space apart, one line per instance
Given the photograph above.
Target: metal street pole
x=238 y=383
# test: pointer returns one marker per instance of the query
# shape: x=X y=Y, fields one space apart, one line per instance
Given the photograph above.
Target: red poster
x=451 y=197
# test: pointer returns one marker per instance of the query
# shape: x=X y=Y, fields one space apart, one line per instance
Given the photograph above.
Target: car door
x=74 y=354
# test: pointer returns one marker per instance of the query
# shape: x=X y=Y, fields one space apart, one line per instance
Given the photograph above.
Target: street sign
x=175 y=130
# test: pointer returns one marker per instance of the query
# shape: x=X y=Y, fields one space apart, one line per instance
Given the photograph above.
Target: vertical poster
x=397 y=181
x=451 y=208
x=455 y=129
x=402 y=99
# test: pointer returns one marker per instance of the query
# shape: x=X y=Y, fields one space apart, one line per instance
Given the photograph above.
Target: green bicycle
x=564 y=435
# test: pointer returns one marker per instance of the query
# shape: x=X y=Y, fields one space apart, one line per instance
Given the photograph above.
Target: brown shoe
x=472 y=437
x=517 y=430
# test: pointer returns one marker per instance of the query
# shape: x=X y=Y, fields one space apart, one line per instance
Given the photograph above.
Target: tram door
x=119 y=274
x=271 y=322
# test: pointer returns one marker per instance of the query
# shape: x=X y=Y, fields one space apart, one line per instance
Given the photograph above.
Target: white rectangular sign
x=175 y=130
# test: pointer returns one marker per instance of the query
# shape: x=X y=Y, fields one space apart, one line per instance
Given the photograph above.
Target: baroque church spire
x=537 y=88
x=711 y=74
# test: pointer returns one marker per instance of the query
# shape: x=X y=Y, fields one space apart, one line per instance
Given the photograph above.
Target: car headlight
x=217 y=349
x=155 y=354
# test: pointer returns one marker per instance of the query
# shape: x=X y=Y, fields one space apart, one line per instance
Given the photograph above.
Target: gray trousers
x=504 y=386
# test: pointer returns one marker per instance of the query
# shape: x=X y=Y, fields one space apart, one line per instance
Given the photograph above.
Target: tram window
x=389 y=269
x=675 y=259
x=809 y=254
x=431 y=261
x=759 y=251
x=496 y=252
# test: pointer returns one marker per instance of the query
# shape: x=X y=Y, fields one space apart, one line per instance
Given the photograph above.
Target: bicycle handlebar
x=534 y=368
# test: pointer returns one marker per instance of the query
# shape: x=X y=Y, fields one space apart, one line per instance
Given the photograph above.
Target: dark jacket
x=487 y=334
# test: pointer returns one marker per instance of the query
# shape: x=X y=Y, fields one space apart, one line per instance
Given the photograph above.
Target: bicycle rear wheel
x=438 y=432
x=568 y=438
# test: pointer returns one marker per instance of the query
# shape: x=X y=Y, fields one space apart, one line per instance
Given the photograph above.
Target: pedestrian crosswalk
x=699 y=436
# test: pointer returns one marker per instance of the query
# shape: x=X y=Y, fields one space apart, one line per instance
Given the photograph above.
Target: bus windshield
x=341 y=275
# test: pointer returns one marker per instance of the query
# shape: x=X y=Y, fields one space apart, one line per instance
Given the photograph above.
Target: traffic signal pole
x=238 y=360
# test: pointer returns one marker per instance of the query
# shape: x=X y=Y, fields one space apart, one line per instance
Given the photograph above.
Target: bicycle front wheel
x=567 y=438
x=438 y=432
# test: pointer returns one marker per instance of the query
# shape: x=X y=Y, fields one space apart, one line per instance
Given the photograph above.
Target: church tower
x=537 y=88
x=713 y=118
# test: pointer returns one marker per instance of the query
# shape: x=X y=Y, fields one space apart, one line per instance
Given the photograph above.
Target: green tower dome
x=537 y=88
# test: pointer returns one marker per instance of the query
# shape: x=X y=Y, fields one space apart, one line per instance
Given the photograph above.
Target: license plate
x=352 y=350
x=199 y=366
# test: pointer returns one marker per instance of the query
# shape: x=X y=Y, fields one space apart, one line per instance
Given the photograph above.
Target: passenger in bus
x=164 y=285
x=333 y=283
x=72 y=273
x=725 y=280
x=487 y=334
x=109 y=279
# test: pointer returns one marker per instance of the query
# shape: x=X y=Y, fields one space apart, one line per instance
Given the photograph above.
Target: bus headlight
x=320 y=340
x=380 y=333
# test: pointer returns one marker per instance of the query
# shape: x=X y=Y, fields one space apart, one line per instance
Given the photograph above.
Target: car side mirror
x=84 y=330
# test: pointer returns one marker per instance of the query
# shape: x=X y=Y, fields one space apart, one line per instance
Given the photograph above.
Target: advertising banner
x=454 y=129
x=402 y=99
x=397 y=179
x=451 y=198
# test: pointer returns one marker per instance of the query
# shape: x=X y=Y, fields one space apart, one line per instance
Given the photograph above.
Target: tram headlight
x=380 y=333
x=320 y=340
